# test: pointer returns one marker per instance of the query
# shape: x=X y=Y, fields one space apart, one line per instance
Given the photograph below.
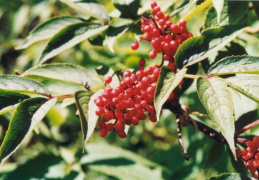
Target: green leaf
x=69 y=37
x=256 y=7
x=104 y=71
x=216 y=98
x=27 y=115
x=218 y=4
x=86 y=106
x=235 y=65
x=127 y=8
x=232 y=13
x=48 y=29
x=246 y=84
x=89 y=7
x=116 y=29
x=166 y=83
x=9 y=100
x=22 y=85
x=69 y=73
x=230 y=176
x=198 y=48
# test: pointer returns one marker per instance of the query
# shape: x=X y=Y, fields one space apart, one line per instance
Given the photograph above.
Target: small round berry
x=108 y=80
x=109 y=127
x=99 y=111
x=122 y=134
x=142 y=62
x=135 y=45
x=101 y=124
x=103 y=132
x=153 y=54
x=182 y=23
x=152 y=117
x=127 y=73
x=118 y=126
x=153 y=4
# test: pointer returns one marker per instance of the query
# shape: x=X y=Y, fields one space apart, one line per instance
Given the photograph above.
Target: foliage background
x=150 y=151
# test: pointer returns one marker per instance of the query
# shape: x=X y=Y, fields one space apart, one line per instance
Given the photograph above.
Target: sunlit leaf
x=69 y=73
x=69 y=37
x=235 y=65
x=230 y=176
x=27 y=115
x=127 y=8
x=48 y=29
x=166 y=83
x=89 y=7
x=198 y=48
x=216 y=98
x=218 y=4
x=22 y=85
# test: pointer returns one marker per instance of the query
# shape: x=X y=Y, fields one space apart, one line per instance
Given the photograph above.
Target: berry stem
x=192 y=76
x=65 y=96
x=179 y=134
x=247 y=127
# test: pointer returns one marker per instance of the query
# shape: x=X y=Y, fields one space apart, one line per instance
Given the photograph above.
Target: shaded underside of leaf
x=246 y=84
x=63 y=72
x=216 y=98
x=166 y=83
x=21 y=84
x=27 y=115
x=89 y=7
x=198 y=48
x=235 y=64
x=48 y=29
x=127 y=8
x=230 y=176
x=69 y=37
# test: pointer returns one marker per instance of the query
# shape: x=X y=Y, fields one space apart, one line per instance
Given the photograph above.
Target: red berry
x=103 y=132
x=182 y=23
x=152 y=54
x=153 y=4
x=109 y=127
x=142 y=62
x=108 y=80
x=135 y=45
x=152 y=117
x=101 y=124
x=122 y=134
x=99 y=111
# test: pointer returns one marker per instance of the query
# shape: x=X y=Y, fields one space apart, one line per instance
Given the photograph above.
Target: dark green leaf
x=9 y=100
x=230 y=176
x=48 y=29
x=216 y=98
x=246 y=84
x=22 y=85
x=62 y=72
x=86 y=106
x=232 y=13
x=69 y=37
x=89 y=7
x=198 y=48
x=116 y=29
x=235 y=65
x=104 y=71
x=27 y=115
x=256 y=8
x=215 y=153
x=166 y=83
x=127 y=8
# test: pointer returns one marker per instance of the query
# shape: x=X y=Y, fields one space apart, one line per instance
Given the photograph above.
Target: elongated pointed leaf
x=216 y=98
x=116 y=29
x=89 y=7
x=127 y=8
x=198 y=48
x=246 y=84
x=69 y=37
x=235 y=65
x=86 y=106
x=22 y=85
x=27 y=115
x=218 y=4
x=48 y=29
x=62 y=72
x=9 y=100
x=166 y=83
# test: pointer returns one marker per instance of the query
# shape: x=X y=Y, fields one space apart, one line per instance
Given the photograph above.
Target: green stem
x=65 y=96
x=192 y=76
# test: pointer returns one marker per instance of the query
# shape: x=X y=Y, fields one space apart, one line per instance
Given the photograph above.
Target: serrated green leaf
x=9 y=100
x=69 y=73
x=86 y=106
x=218 y=4
x=69 y=37
x=246 y=84
x=116 y=29
x=230 y=176
x=235 y=64
x=127 y=8
x=48 y=29
x=232 y=13
x=198 y=48
x=22 y=85
x=27 y=115
x=216 y=98
x=89 y=7
x=166 y=83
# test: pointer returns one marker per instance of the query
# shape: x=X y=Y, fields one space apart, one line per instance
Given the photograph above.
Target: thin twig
x=247 y=127
x=179 y=134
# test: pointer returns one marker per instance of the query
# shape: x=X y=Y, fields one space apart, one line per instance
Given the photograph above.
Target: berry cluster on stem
x=163 y=35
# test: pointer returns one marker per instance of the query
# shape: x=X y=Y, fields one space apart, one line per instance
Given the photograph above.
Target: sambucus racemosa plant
x=130 y=96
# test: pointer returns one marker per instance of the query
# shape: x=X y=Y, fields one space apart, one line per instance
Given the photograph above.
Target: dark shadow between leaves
x=113 y=162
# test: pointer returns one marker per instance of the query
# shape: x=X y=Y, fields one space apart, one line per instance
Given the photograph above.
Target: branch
x=247 y=127
x=179 y=134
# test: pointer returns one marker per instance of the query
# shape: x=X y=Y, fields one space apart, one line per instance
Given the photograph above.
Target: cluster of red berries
x=129 y=103
x=163 y=35
x=250 y=156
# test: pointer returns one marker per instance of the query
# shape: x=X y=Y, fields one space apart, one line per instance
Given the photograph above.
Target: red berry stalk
x=163 y=35
x=250 y=156
x=129 y=103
